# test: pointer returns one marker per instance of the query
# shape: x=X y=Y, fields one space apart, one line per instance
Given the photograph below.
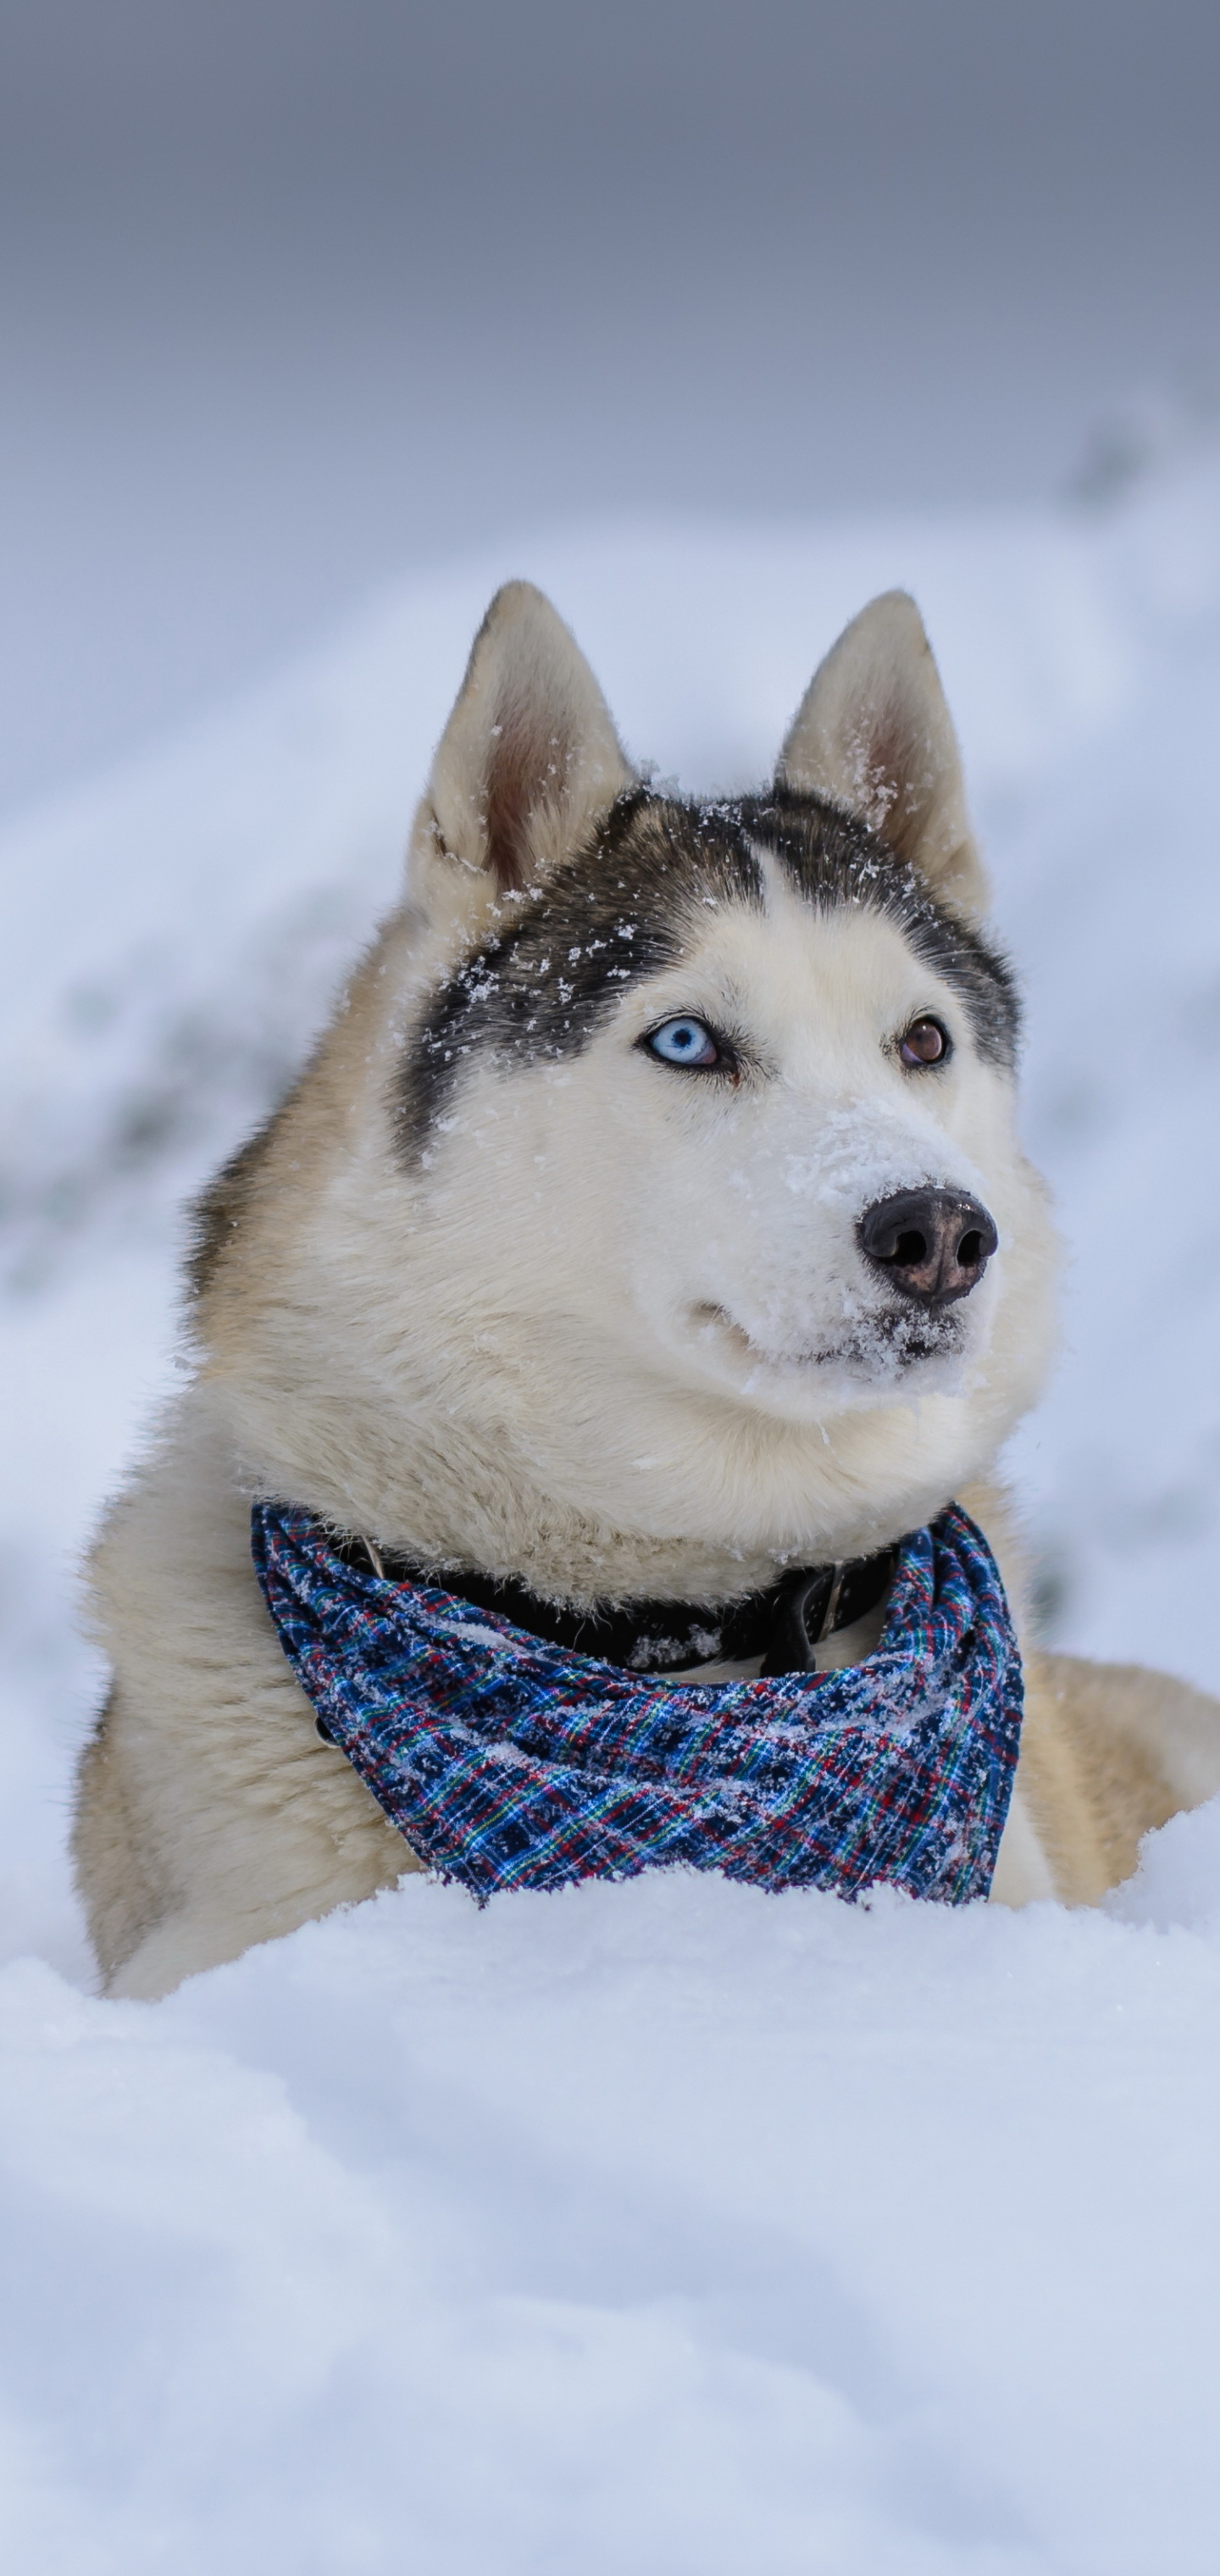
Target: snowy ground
x=663 y=2228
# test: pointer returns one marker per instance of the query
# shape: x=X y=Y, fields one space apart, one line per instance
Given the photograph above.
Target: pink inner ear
x=527 y=763
x=904 y=796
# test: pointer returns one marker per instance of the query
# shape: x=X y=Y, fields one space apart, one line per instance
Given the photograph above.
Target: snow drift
x=667 y=2226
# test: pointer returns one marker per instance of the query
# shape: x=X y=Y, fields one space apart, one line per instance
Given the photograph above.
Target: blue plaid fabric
x=508 y=1762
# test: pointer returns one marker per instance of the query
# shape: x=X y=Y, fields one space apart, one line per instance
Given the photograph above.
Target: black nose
x=933 y=1244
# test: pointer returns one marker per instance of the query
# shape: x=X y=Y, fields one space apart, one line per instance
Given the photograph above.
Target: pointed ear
x=873 y=732
x=529 y=758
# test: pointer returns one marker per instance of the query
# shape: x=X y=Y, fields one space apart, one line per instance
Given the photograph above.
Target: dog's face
x=736 y=1099
x=689 y=1193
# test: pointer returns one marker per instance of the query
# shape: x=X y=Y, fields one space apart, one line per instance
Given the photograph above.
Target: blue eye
x=684 y=1042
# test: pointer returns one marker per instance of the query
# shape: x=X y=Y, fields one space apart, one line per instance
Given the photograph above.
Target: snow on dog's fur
x=563 y=1260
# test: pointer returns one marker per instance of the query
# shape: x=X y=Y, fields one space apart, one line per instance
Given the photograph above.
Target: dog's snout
x=934 y=1244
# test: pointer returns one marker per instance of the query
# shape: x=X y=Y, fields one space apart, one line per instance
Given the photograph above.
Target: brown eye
x=925 y=1043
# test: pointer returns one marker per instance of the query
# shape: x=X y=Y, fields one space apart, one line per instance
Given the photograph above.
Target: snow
x=668 y=2226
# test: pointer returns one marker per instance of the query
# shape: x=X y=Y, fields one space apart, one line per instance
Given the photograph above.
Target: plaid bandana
x=509 y=1762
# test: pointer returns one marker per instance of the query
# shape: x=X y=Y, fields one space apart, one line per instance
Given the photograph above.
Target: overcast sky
x=296 y=293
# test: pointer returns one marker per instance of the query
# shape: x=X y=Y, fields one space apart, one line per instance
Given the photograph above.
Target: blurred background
x=295 y=294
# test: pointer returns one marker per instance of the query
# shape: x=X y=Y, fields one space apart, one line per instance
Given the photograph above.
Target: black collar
x=785 y=1624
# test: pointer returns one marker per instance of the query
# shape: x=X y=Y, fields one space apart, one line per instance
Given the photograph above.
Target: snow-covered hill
x=663 y=2228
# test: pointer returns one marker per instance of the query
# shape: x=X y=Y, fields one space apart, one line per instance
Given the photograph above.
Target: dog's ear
x=874 y=733
x=529 y=758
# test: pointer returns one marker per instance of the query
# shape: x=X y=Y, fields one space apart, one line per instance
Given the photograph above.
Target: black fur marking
x=630 y=904
x=835 y=861
x=219 y=1209
x=622 y=909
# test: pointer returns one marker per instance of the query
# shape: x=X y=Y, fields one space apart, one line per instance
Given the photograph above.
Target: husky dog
x=650 y=1218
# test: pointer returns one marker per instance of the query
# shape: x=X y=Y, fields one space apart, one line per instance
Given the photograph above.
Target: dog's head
x=689 y=1169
